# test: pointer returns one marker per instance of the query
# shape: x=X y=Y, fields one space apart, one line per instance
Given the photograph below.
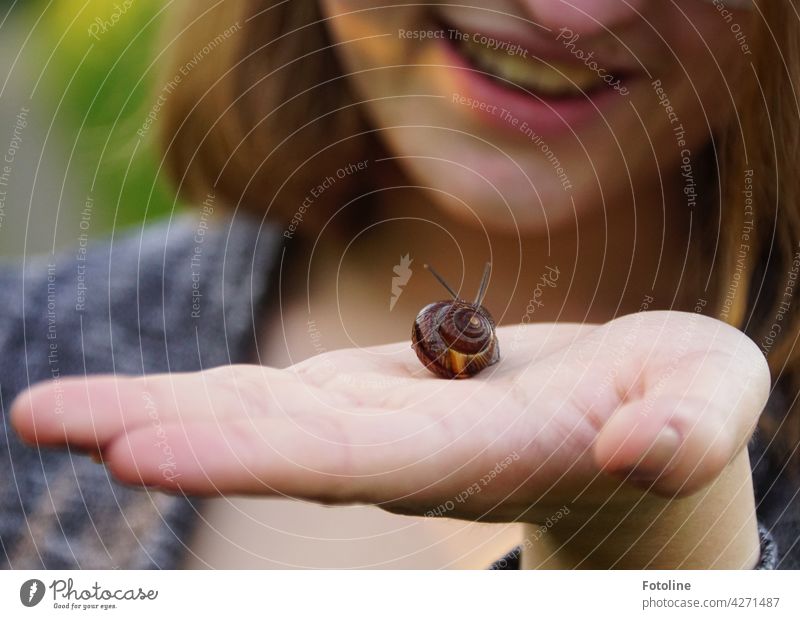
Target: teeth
x=553 y=79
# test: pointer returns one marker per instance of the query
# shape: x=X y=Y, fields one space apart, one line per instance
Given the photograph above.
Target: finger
x=321 y=458
x=90 y=411
x=692 y=415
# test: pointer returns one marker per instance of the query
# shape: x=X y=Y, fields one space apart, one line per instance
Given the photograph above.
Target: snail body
x=456 y=338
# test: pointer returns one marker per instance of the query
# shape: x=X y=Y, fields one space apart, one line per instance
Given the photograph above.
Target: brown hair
x=249 y=126
x=759 y=250
x=268 y=113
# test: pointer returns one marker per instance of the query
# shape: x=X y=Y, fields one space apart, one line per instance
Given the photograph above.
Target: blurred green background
x=86 y=78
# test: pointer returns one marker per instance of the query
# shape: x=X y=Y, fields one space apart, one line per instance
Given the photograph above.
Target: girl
x=620 y=164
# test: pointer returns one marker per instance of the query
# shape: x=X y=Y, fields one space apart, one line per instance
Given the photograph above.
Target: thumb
x=688 y=421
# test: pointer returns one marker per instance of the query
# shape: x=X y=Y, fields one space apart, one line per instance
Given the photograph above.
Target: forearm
x=712 y=529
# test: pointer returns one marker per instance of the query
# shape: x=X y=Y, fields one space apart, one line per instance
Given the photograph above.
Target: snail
x=456 y=339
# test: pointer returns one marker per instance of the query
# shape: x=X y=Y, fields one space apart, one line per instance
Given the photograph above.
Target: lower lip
x=543 y=115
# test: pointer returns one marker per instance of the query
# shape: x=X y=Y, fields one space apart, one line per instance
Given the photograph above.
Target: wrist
x=714 y=528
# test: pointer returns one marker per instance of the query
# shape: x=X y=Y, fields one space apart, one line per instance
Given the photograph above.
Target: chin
x=513 y=217
x=494 y=197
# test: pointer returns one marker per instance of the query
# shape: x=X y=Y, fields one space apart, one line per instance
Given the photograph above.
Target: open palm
x=569 y=414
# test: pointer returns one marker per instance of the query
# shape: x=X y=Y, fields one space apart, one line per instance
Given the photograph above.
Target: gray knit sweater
x=174 y=297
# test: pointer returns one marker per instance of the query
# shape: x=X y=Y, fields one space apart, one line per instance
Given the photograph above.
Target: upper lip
x=551 y=51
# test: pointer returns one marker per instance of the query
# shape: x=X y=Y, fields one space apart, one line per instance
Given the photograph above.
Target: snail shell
x=455 y=339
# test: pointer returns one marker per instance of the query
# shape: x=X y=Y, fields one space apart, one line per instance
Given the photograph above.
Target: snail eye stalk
x=484 y=283
x=441 y=281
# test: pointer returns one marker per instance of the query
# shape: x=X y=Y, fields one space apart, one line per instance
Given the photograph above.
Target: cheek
x=341 y=7
x=368 y=35
x=715 y=47
x=711 y=62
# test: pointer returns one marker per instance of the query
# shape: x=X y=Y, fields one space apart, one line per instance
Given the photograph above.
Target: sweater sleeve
x=769 y=550
x=777 y=493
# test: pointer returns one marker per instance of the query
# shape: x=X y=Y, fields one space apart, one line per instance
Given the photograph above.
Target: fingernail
x=659 y=459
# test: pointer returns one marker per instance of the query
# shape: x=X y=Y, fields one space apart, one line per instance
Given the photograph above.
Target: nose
x=585 y=17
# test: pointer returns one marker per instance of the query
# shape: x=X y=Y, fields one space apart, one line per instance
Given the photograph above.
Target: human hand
x=563 y=418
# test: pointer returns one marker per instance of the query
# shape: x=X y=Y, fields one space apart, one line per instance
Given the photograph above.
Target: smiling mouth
x=514 y=68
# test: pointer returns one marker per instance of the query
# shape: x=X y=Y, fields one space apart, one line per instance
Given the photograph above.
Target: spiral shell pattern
x=455 y=339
